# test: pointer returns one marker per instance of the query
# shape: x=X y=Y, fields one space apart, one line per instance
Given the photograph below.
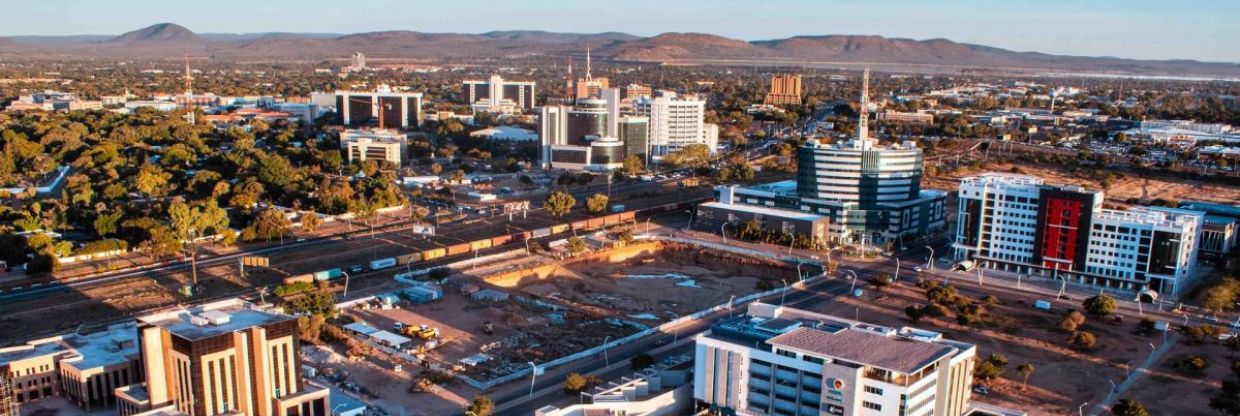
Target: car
x=981 y=390
x=356 y=268
x=919 y=269
x=300 y=239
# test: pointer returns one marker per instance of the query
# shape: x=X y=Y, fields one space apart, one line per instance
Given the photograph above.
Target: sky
x=1206 y=30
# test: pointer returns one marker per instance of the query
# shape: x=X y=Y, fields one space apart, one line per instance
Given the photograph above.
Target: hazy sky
x=1154 y=29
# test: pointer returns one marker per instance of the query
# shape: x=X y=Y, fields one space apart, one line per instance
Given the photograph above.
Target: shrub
x=1101 y=305
x=1083 y=339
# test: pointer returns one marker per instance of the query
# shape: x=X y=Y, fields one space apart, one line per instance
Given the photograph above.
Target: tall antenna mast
x=863 y=122
x=189 y=93
x=588 y=63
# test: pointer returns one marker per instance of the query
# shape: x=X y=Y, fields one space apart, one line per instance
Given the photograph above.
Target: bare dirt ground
x=655 y=287
x=1124 y=186
x=1064 y=376
x=1184 y=393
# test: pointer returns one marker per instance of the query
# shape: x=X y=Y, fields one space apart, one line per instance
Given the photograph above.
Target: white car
x=918 y=269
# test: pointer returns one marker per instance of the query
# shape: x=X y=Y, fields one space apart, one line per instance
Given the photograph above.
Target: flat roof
x=241 y=315
x=894 y=353
x=1212 y=208
x=774 y=212
x=389 y=338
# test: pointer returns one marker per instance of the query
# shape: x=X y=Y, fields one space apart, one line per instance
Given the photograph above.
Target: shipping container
x=501 y=240
x=409 y=259
x=611 y=220
x=559 y=228
x=627 y=216
x=581 y=225
x=521 y=236
x=382 y=263
x=458 y=249
x=328 y=274
x=595 y=223
x=433 y=253
x=301 y=278
x=542 y=232
x=480 y=244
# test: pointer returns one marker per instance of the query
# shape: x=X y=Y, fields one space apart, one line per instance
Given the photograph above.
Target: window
x=786 y=353
x=875 y=390
x=872 y=406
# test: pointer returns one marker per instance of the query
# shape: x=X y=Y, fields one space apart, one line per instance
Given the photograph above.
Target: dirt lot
x=1064 y=377
x=656 y=287
x=1187 y=394
x=1124 y=186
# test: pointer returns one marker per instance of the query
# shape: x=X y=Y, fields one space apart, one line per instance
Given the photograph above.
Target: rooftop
x=1212 y=208
x=213 y=319
x=894 y=353
x=772 y=212
x=100 y=349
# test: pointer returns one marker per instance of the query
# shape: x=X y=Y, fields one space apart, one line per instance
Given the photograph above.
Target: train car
x=456 y=249
x=501 y=240
x=580 y=225
x=595 y=223
x=480 y=244
x=611 y=219
x=328 y=274
x=433 y=253
x=381 y=264
x=301 y=278
x=541 y=232
x=557 y=229
x=522 y=236
x=409 y=259
x=627 y=216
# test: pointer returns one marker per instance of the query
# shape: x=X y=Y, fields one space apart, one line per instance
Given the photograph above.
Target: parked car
x=357 y=268
x=981 y=389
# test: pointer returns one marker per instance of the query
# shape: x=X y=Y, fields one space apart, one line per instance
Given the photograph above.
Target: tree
x=559 y=203
x=1101 y=305
x=1071 y=321
x=596 y=203
x=1083 y=339
x=151 y=180
x=1025 y=370
x=436 y=169
x=915 y=313
x=310 y=222
x=575 y=383
x=269 y=224
x=641 y=360
x=481 y=405
x=105 y=223
x=1129 y=407
x=457 y=176
x=632 y=166
x=576 y=245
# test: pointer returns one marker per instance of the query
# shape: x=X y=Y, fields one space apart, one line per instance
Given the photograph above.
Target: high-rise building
x=1016 y=223
x=870 y=192
x=785 y=90
x=497 y=95
x=588 y=118
x=577 y=137
x=225 y=357
x=633 y=131
x=635 y=91
x=1219 y=232
x=676 y=122
x=782 y=361
x=383 y=107
x=387 y=145
x=588 y=87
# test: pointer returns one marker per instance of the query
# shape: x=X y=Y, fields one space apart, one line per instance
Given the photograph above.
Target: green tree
x=310 y=222
x=1129 y=407
x=1071 y=321
x=481 y=405
x=270 y=224
x=1083 y=339
x=596 y=203
x=559 y=203
x=576 y=245
x=575 y=383
x=151 y=180
x=276 y=171
x=632 y=166
x=457 y=176
x=105 y=223
x=1101 y=305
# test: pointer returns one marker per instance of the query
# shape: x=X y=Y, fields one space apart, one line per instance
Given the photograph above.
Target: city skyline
x=1199 y=31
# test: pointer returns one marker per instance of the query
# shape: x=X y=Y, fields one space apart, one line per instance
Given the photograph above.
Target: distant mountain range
x=170 y=40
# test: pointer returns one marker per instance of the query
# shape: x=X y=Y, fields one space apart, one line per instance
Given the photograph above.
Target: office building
x=870 y=193
x=82 y=368
x=588 y=118
x=785 y=90
x=1016 y=223
x=386 y=145
x=383 y=107
x=497 y=95
x=634 y=131
x=659 y=390
x=577 y=137
x=588 y=87
x=676 y=122
x=1220 y=228
x=52 y=101
x=783 y=361
x=635 y=91
x=918 y=117
x=225 y=357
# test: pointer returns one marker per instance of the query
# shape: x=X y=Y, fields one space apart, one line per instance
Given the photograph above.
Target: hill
x=162 y=32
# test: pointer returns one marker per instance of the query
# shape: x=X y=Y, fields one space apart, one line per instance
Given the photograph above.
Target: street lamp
x=346 y=285
x=533 y=376
x=783 y=293
x=896 y=277
x=723 y=232
x=606 y=359
x=1080 y=410
x=852 y=289
x=730 y=299
x=930 y=260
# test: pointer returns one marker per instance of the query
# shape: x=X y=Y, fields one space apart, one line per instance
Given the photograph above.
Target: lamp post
x=930 y=260
x=346 y=285
x=896 y=276
x=533 y=376
x=730 y=299
x=783 y=293
x=854 y=282
x=723 y=232
x=606 y=359
x=1080 y=410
